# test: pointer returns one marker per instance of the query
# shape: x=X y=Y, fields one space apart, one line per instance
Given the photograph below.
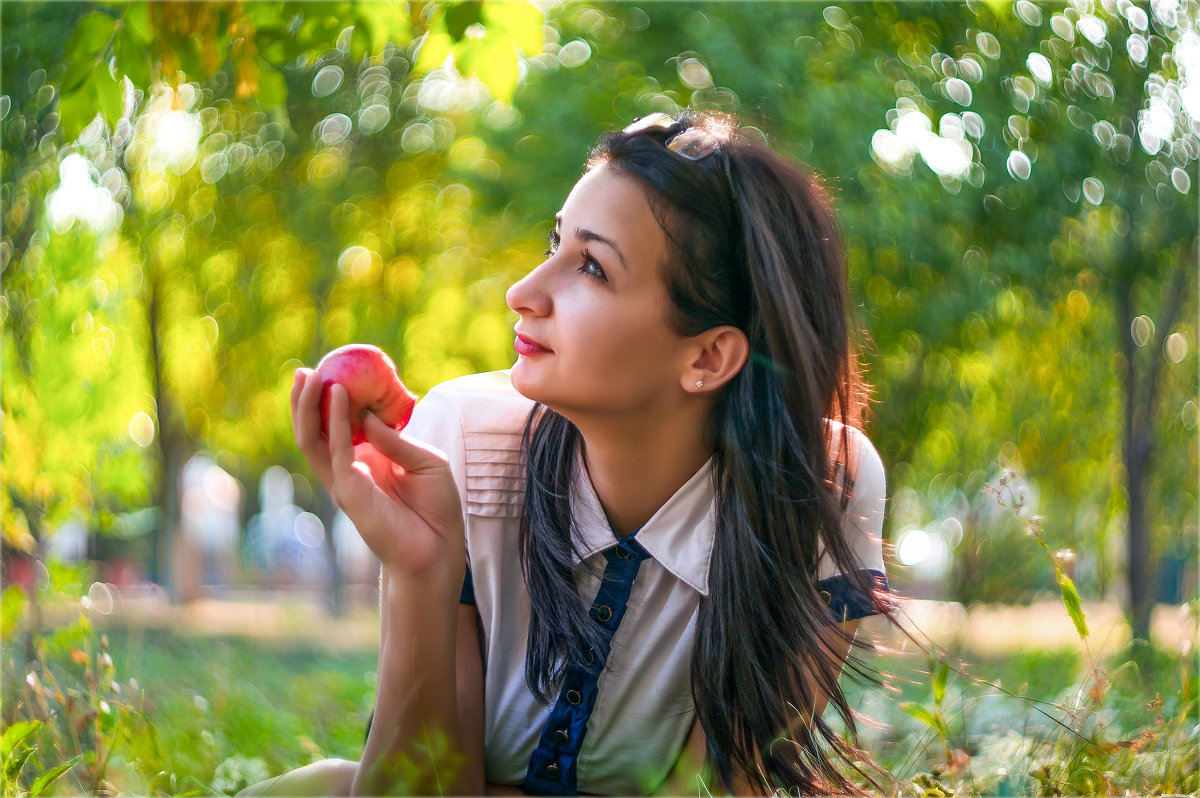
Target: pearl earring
x=699 y=383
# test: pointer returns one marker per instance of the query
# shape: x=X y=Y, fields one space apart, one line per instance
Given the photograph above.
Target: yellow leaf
x=433 y=51
x=493 y=60
x=521 y=21
x=385 y=22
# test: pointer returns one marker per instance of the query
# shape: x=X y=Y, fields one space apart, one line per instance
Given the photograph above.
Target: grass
x=207 y=715
x=189 y=714
x=284 y=706
x=1037 y=722
x=157 y=712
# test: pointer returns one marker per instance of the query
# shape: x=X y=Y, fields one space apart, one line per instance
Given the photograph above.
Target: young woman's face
x=597 y=306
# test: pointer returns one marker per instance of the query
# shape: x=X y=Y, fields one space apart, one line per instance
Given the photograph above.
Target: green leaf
x=91 y=35
x=1000 y=8
x=78 y=71
x=1070 y=599
x=132 y=58
x=187 y=50
x=272 y=88
x=136 y=19
x=276 y=47
x=461 y=16
x=920 y=713
x=108 y=91
x=266 y=15
x=15 y=763
x=939 y=682
x=108 y=719
x=76 y=110
x=15 y=733
x=360 y=42
x=322 y=24
x=50 y=776
x=12 y=607
x=521 y=21
x=493 y=60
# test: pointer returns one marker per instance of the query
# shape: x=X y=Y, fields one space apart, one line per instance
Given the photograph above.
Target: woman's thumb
x=411 y=455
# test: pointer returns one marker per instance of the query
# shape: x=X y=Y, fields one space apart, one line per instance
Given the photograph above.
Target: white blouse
x=628 y=729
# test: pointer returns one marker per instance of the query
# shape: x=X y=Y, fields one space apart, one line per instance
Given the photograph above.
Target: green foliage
x=263 y=230
x=1050 y=734
x=15 y=753
x=1005 y=496
x=334 y=178
x=63 y=709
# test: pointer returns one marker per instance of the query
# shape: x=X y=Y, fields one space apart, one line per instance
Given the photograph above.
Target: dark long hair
x=754 y=244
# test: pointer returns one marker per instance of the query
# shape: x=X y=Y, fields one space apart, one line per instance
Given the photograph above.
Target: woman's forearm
x=416 y=695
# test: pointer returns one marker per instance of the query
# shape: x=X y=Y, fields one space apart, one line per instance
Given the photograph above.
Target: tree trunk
x=327 y=512
x=1141 y=397
x=170 y=564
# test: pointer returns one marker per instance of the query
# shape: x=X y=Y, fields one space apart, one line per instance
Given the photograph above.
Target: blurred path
x=284 y=618
x=990 y=629
x=983 y=629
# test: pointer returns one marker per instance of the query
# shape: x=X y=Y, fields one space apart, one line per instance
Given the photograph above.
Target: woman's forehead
x=614 y=205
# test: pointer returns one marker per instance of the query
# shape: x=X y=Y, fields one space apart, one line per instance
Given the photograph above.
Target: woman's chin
x=522 y=381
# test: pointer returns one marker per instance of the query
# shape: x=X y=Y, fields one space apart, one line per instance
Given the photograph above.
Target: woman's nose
x=529 y=295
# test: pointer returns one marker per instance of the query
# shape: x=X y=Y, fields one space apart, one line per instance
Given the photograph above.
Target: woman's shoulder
x=863 y=460
x=862 y=521
x=481 y=403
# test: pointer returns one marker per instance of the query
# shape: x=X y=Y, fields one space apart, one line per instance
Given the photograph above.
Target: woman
x=670 y=519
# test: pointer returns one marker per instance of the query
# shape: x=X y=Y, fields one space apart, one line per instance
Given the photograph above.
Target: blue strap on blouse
x=553 y=766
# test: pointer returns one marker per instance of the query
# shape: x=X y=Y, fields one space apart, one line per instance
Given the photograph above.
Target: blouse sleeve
x=436 y=422
x=862 y=527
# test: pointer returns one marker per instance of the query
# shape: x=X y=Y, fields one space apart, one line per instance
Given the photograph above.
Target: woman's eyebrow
x=591 y=235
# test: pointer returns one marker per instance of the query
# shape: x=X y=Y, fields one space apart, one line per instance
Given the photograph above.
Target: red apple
x=372 y=386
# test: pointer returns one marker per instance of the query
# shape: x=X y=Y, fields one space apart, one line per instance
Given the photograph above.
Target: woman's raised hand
x=399 y=494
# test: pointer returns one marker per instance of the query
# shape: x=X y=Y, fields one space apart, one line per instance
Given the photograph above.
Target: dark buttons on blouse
x=604 y=613
x=553 y=771
x=574 y=697
x=826 y=597
x=563 y=736
x=589 y=657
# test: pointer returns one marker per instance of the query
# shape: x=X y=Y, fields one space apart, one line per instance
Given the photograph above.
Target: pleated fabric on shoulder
x=477 y=421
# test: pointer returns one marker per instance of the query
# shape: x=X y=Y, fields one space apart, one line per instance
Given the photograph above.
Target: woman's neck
x=635 y=469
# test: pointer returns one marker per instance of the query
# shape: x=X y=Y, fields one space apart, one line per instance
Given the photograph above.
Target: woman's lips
x=528 y=346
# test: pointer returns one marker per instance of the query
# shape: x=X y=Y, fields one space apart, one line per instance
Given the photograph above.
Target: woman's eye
x=592 y=269
x=589 y=268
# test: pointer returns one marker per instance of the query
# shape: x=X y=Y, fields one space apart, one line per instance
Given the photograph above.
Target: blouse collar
x=679 y=536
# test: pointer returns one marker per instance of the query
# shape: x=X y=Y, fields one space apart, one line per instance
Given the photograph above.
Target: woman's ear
x=715 y=357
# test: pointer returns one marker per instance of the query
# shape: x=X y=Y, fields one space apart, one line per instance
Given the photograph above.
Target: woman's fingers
x=297 y=387
x=341 y=451
x=306 y=422
x=399 y=494
x=412 y=456
x=420 y=479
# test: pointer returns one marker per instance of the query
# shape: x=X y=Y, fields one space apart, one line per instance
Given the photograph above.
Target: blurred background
x=198 y=198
